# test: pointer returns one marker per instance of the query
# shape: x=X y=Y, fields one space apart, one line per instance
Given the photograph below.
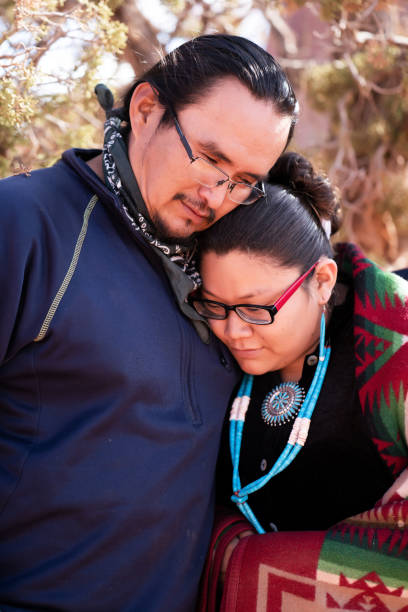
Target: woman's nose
x=235 y=327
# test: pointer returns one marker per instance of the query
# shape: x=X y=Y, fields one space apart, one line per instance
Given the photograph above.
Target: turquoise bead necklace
x=297 y=437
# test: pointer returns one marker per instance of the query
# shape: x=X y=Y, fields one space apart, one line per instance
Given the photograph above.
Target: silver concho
x=282 y=403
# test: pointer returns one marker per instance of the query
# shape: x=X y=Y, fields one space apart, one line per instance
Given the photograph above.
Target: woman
x=318 y=431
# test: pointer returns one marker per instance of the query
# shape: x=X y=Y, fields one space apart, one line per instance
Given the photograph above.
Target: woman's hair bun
x=296 y=174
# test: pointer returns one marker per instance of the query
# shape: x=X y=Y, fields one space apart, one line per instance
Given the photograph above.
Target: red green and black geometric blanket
x=362 y=562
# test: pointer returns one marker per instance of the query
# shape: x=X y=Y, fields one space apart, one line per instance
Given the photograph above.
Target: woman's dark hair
x=286 y=225
x=184 y=75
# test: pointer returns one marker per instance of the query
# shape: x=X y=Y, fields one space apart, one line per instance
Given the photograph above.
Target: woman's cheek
x=218 y=328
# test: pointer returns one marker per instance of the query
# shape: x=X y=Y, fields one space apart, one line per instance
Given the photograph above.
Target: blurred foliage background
x=347 y=61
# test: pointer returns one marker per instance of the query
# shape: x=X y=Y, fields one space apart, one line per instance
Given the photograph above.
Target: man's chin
x=169 y=236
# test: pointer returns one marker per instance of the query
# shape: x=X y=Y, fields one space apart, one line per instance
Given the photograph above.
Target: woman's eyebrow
x=242 y=297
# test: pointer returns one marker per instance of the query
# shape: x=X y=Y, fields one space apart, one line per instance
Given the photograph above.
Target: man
x=112 y=391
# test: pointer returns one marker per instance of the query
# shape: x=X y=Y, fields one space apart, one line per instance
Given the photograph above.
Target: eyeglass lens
x=249 y=314
x=208 y=175
x=259 y=316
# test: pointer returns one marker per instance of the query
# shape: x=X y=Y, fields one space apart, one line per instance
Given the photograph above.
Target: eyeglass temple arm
x=176 y=123
x=284 y=298
x=181 y=136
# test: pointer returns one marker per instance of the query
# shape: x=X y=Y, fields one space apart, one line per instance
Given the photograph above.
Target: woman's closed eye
x=250 y=308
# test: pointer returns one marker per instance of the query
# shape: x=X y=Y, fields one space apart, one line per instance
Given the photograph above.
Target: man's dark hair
x=183 y=76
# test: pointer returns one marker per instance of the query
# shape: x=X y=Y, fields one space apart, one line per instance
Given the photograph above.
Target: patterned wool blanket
x=362 y=562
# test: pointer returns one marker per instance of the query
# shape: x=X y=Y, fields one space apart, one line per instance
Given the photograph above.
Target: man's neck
x=96 y=165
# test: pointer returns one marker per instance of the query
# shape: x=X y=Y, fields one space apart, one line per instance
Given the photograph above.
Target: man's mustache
x=197 y=205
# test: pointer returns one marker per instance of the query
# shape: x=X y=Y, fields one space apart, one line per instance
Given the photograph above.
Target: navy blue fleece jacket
x=111 y=408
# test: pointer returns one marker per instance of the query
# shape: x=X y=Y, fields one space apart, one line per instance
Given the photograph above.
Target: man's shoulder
x=39 y=190
x=31 y=183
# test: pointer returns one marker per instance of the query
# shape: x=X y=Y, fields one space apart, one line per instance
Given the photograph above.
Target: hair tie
x=326 y=225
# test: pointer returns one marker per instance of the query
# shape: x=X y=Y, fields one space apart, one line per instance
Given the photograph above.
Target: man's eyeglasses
x=250 y=313
x=209 y=175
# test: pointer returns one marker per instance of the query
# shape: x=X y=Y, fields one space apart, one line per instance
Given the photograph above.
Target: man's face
x=240 y=134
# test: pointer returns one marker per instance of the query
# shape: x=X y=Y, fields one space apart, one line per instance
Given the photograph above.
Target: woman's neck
x=293 y=372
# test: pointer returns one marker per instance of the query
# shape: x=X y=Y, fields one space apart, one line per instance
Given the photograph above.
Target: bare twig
x=369 y=10
x=362 y=37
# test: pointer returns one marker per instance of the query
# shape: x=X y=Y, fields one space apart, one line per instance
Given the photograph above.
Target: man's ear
x=145 y=111
x=326 y=276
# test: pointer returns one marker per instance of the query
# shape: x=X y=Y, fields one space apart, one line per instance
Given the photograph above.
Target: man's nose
x=214 y=196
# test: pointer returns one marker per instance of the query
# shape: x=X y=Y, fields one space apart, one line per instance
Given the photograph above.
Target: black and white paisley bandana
x=120 y=179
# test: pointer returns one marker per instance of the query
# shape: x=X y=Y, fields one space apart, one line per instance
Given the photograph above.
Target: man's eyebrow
x=212 y=148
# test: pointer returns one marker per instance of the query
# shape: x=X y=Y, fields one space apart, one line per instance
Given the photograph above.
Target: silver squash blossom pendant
x=282 y=403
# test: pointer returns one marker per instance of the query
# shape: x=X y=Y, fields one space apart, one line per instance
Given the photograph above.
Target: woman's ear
x=326 y=276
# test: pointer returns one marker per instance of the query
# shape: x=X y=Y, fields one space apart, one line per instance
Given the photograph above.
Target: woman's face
x=237 y=278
